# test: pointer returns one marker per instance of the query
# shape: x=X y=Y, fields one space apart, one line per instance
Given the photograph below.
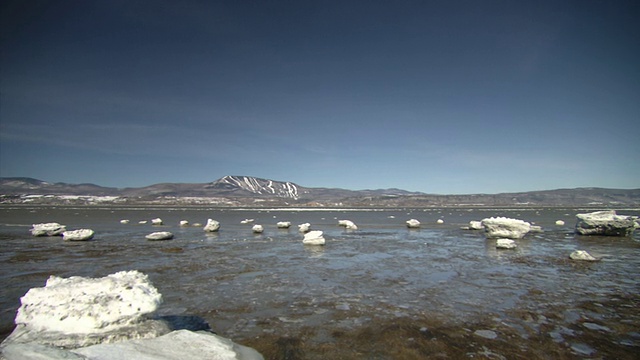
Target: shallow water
x=249 y=285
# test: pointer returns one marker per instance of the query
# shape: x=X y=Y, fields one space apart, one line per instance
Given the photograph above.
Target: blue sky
x=446 y=97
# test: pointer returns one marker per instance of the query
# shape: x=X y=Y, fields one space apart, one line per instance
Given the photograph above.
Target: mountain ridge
x=239 y=190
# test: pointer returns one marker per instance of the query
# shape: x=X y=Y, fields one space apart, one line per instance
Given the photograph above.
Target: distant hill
x=253 y=191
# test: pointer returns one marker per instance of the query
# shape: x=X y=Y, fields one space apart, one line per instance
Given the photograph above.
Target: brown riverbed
x=381 y=292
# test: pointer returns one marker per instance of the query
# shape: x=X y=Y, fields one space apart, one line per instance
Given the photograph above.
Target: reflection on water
x=246 y=285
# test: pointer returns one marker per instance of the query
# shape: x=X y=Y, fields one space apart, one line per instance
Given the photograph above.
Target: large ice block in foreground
x=107 y=318
x=79 y=311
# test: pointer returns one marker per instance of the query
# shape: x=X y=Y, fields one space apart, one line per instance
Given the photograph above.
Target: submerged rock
x=502 y=227
x=47 y=229
x=606 y=223
x=78 y=235
x=413 y=223
x=313 y=238
x=212 y=226
x=487 y=334
x=582 y=255
x=160 y=235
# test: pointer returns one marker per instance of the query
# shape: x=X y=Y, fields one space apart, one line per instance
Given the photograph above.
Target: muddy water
x=269 y=286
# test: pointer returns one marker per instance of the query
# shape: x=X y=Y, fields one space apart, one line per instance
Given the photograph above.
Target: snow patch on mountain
x=259 y=186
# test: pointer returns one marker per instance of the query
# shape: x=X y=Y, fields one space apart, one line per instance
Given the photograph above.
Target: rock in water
x=283 y=224
x=502 y=227
x=258 y=229
x=47 y=229
x=313 y=238
x=582 y=255
x=475 y=225
x=413 y=223
x=156 y=221
x=78 y=235
x=212 y=226
x=78 y=311
x=605 y=223
x=160 y=235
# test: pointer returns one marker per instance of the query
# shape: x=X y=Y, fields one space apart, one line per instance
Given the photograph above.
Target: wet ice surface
x=247 y=284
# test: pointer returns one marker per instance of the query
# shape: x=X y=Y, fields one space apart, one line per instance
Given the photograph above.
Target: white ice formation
x=47 y=229
x=605 y=223
x=212 y=225
x=160 y=235
x=304 y=227
x=313 y=238
x=505 y=244
x=84 y=311
x=78 y=235
x=502 y=227
x=413 y=223
x=535 y=229
x=107 y=318
x=348 y=224
x=475 y=225
x=177 y=345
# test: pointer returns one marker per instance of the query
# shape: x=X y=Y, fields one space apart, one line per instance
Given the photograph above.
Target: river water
x=251 y=286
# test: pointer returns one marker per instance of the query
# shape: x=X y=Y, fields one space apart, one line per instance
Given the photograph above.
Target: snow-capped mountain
x=257 y=186
x=250 y=191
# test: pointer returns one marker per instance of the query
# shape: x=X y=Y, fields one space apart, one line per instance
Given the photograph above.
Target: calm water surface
x=246 y=285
